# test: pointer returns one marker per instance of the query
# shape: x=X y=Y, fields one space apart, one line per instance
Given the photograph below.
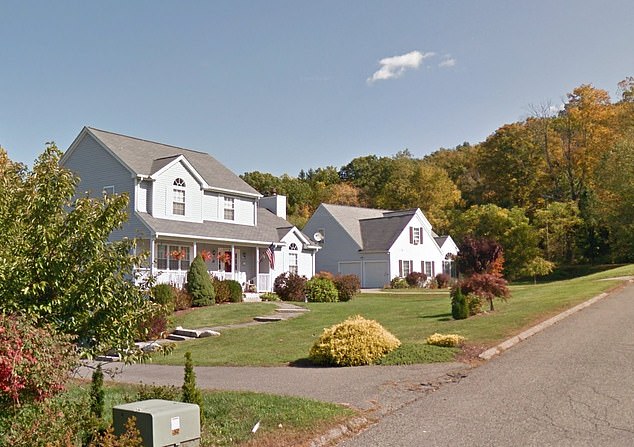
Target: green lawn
x=221 y=315
x=410 y=316
x=229 y=416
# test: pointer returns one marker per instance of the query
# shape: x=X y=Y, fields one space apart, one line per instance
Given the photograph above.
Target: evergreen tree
x=191 y=394
x=199 y=283
x=97 y=393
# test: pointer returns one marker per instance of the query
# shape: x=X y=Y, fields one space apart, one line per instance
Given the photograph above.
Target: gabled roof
x=145 y=158
x=270 y=228
x=380 y=233
x=350 y=216
x=440 y=240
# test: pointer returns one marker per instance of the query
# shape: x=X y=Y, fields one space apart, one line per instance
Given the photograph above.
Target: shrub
x=290 y=286
x=191 y=394
x=165 y=392
x=321 y=290
x=445 y=340
x=347 y=286
x=354 y=342
x=34 y=362
x=442 y=280
x=235 y=291
x=156 y=324
x=416 y=279
x=182 y=300
x=486 y=286
x=199 y=283
x=459 y=307
x=97 y=393
x=130 y=438
x=474 y=304
x=165 y=295
x=269 y=296
x=398 y=283
x=326 y=275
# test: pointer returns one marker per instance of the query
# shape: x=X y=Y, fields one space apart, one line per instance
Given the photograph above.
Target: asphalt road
x=570 y=385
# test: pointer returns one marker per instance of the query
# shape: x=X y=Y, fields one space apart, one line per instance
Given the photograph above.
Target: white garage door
x=350 y=268
x=375 y=274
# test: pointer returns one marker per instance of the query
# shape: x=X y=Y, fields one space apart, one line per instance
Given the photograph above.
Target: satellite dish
x=318 y=236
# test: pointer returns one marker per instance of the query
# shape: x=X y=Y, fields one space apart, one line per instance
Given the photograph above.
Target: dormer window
x=230 y=212
x=178 y=197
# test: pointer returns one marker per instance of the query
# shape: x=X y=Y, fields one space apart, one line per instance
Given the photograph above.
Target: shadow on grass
x=438 y=317
x=306 y=363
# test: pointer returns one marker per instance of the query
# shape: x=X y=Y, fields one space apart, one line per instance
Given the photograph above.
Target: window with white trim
x=448 y=268
x=428 y=268
x=108 y=190
x=293 y=246
x=404 y=268
x=230 y=208
x=178 y=197
x=292 y=263
x=416 y=235
x=173 y=257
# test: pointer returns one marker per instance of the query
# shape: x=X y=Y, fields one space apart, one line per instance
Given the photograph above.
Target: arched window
x=293 y=246
x=178 y=197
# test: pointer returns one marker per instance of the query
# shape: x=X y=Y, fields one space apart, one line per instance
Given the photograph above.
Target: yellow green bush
x=446 y=340
x=354 y=342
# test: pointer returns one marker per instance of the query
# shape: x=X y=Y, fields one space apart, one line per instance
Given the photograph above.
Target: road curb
x=492 y=352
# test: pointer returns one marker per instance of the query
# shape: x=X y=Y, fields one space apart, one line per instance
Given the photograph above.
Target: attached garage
x=375 y=274
x=350 y=268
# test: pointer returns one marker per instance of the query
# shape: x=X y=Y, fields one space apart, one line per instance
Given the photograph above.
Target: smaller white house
x=378 y=245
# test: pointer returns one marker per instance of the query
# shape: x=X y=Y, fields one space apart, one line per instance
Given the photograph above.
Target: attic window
x=178 y=197
x=293 y=246
x=415 y=235
x=229 y=208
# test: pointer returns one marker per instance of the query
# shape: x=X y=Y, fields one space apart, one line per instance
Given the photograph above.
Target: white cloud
x=447 y=61
x=394 y=67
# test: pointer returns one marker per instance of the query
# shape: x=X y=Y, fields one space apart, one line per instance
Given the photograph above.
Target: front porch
x=170 y=261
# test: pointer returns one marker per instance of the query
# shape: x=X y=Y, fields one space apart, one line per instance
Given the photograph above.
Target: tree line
x=557 y=186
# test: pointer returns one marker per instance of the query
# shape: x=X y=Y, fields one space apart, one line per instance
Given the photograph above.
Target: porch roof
x=270 y=228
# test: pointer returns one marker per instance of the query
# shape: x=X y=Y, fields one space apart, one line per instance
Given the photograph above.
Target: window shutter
x=422 y=266
x=421 y=236
x=400 y=268
x=433 y=269
x=411 y=235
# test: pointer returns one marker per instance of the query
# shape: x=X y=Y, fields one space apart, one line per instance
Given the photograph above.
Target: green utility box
x=162 y=423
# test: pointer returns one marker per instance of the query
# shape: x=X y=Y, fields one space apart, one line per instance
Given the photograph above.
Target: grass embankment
x=221 y=315
x=410 y=316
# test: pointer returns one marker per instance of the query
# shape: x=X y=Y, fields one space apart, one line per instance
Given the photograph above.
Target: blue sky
x=277 y=86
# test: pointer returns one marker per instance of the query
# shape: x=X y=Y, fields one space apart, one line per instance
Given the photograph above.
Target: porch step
x=175 y=337
x=268 y=318
x=194 y=333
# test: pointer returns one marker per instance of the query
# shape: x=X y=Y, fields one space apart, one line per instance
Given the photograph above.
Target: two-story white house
x=184 y=203
x=378 y=245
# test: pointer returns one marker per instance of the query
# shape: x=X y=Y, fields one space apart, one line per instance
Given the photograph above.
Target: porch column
x=257 y=269
x=233 y=261
x=152 y=254
x=195 y=250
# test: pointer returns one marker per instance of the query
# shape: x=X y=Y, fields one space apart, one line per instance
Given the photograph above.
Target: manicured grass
x=410 y=316
x=221 y=315
x=410 y=354
x=229 y=416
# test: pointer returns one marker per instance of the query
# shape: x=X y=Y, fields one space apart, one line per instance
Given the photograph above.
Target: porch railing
x=179 y=278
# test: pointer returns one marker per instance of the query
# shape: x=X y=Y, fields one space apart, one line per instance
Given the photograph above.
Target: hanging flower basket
x=178 y=254
x=206 y=255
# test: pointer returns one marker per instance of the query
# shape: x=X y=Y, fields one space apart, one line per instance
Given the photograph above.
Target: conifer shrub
x=354 y=342
x=235 y=291
x=321 y=290
x=290 y=286
x=347 y=286
x=191 y=393
x=199 y=283
x=459 y=307
x=97 y=393
x=416 y=279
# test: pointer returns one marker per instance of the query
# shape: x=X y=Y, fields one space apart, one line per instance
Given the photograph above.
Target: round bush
x=165 y=295
x=347 y=286
x=290 y=286
x=354 y=342
x=235 y=291
x=321 y=290
x=416 y=279
x=398 y=283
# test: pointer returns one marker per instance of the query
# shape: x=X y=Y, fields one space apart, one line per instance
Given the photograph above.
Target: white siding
x=245 y=211
x=144 y=197
x=97 y=168
x=210 y=206
x=304 y=258
x=402 y=249
x=162 y=195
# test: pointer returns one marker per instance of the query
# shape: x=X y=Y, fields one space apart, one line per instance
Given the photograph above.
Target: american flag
x=270 y=253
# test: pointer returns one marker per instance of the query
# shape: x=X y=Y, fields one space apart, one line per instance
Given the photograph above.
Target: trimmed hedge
x=321 y=290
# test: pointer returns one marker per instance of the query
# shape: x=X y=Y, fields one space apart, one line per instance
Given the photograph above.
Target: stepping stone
x=191 y=333
x=208 y=333
x=268 y=318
